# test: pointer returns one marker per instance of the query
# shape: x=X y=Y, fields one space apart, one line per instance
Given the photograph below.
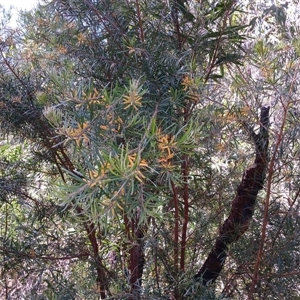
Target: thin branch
x=176 y=226
x=285 y=217
x=140 y=20
x=186 y=212
x=31 y=95
x=266 y=206
x=213 y=59
x=43 y=257
x=174 y=13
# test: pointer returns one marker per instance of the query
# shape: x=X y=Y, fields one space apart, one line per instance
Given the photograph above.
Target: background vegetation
x=126 y=128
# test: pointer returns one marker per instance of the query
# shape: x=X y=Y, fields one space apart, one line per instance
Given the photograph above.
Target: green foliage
x=136 y=118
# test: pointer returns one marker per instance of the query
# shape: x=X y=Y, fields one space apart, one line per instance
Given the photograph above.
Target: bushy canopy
x=127 y=127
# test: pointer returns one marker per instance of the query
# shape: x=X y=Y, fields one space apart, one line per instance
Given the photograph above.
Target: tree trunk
x=242 y=206
x=137 y=261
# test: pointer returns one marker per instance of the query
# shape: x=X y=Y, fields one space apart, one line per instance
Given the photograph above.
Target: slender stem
x=285 y=217
x=6 y=222
x=44 y=257
x=212 y=61
x=176 y=24
x=186 y=212
x=140 y=20
x=266 y=206
x=155 y=258
x=91 y=231
x=14 y=72
x=176 y=225
x=176 y=231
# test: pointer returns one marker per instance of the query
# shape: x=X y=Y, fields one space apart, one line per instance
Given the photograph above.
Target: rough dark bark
x=242 y=206
x=136 y=259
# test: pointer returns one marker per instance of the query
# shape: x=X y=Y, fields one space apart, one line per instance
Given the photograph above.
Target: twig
x=266 y=206
x=140 y=20
x=186 y=212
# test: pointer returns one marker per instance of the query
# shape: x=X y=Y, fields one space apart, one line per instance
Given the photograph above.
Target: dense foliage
x=127 y=127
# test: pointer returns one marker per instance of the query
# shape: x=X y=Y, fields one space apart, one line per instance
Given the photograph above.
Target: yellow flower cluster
x=190 y=86
x=136 y=163
x=166 y=146
x=96 y=176
x=132 y=99
x=187 y=82
x=78 y=134
x=81 y=38
x=134 y=95
x=92 y=97
x=131 y=167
